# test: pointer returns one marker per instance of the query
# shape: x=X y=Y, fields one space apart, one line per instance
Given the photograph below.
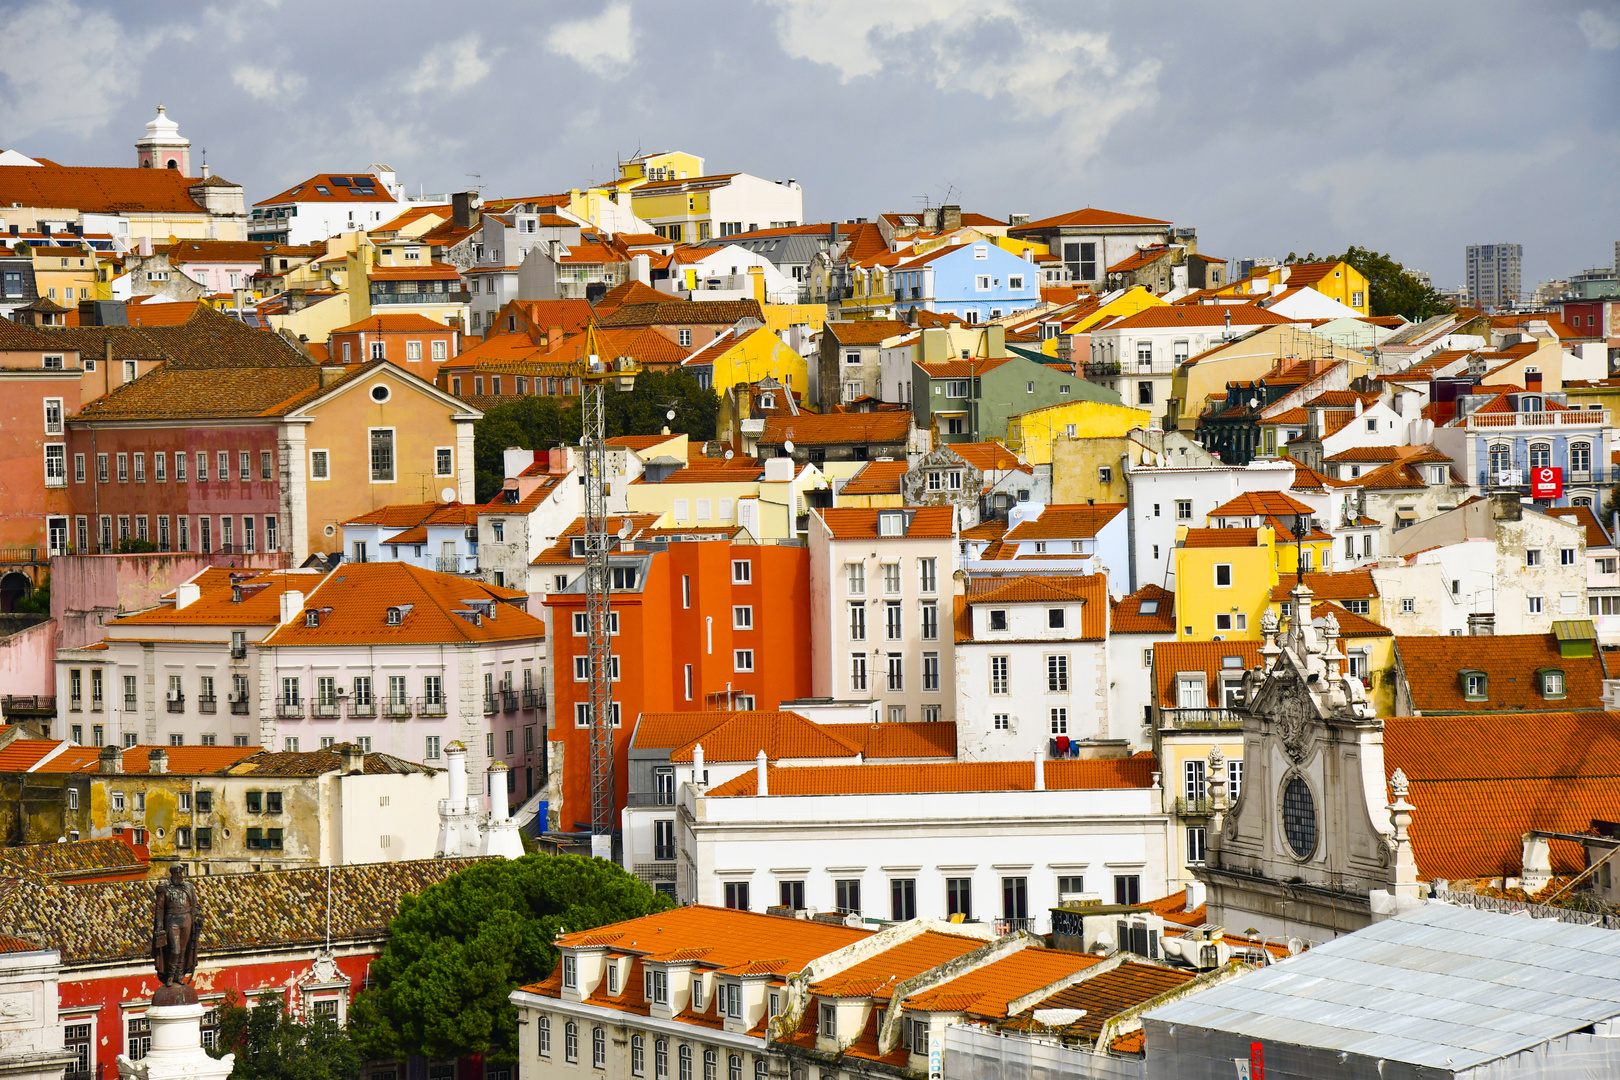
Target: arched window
x=1501 y=458
x=571 y=1041
x=734 y=1067
x=638 y=1056
x=1580 y=500
x=545 y=1036
x=599 y=1048
x=1529 y=404
x=711 y=1065
x=759 y=1069
x=1540 y=455
x=686 y=1062
x=1580 y=457
x=661 y=1059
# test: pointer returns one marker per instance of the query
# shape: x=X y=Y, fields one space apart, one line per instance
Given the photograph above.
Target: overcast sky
x=1411 y=127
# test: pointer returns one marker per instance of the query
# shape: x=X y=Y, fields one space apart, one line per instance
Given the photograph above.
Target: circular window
x=160 y=834
x=1299 y=817
x=379 y=393
x=330 y=530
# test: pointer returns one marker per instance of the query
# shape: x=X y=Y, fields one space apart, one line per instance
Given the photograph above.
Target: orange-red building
x=409 y=340
x=702 y=625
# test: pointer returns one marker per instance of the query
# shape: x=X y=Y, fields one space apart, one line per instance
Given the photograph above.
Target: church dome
x=162 y=131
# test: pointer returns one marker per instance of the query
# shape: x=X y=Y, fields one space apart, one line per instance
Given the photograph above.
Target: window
x=1475 y=685
x=123 y=468
x=1580 y=457
x=1223 y=575
x=430 y=751
x=711 y=1068
x=742 y=572
x=1060 y=721
x=1057 y=674
x=1532 y=557
x=734 y=1067
x=998 y=619
x=1535 y=605
x=857 y=622
x=743 y=660
x=847 y=892
x=686 y=1062
x=930 y=670
x=897 y=677
x=857 y=671
x=1566 y=556
x=959 y=897
x=138 y=1041
x=829 y=1020
x=891 y=620
x=661 y=1059
x=318 y=465
x=1408 y=605
x=1196 y=840
x=1127 y=889
x=571 y=1041
x=742 y=617
x=929 y=619
x=855 y=578
x=599 y=1048
x=998 y=675
x=737 y=895
x=545 y=1037
x=382 y=456
x=638 y=1055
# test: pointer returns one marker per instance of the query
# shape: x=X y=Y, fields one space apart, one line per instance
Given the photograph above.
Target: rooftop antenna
x=478 y=187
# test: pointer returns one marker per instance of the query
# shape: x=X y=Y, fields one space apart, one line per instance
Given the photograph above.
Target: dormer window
x=697 y=993
x=395 y=616
x=891 y=524
x=312 y=618
x=577 y=547
x=613 y=976
x=570 y=973
x=1055 y=618
x=829 y=1020
x=998 y=619
x=1552 y=682
x=1475 y=685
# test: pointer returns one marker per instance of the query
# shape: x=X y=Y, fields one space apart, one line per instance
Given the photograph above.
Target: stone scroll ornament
x=176 y=925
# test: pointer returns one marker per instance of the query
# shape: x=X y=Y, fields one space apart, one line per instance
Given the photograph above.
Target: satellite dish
x=447 y=494
x=670 y=415
x=787 y=445
x=730 y=454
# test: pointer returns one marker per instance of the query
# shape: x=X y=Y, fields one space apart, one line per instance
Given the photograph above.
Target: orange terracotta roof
x=431 y=271
x=988 y=990
x=1350 y=624
x=1308 y=479
x=669 y=312
x=260 y=604
x=1479 y=784
x=1345 y=585
x=1209 y=657
x=866 y=331
x=1062 y=775
x=828 y=429
x=1088 y=216
x=1137 y=260
x=1090 y=589
x=1103 y=996
x=1433 y=666
x=914 y=739
x=1396 y=476
x=182 y=760
x=345 y=192
x=989 y=457
x=389 y=323
x=1173 y=908
x=1222 y=538
x=1164 y=315
x=964 y=369
x=926 y=523
x=396 y=515
x=99 y=190
x=878 y=975
x=876 y=478
x=1128 y=616
x=1060 y=521
x=358 y=596
x=25 y=754
x=160 y=314
x=1596 y=537
x=741 y=736
x=989 y=529
x=1267 y=503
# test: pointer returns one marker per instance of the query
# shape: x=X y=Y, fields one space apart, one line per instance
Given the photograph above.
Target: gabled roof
x=741 y=736
x=1089 y=589
x=1433 y=667
x=876 y=478
x=913 y=739
x=925 y=522
x=987 y=991
x=215 y=606
x=1060 y=521
x=989 y=457
x=98 y=190
x=1103 y=996
x=866 y=331
x=964 y=369
x=76 y=859
x=1210 y=657
x=878 y=975
x=831 y=429
x=684 y=313
x=397 y=324
x=1344 y=585
x=370 y=189
x=1350 y=624
x=963 y=776
x=1222 y=538
x=1168 y=315
x=1596 y=535
x=1088 y=216
x=1128 y=616
x=730 y=938
x=1269 y=503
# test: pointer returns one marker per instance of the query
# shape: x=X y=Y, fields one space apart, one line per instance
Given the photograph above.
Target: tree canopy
x=538 y=422
x=456 y=951
x=270 y=1045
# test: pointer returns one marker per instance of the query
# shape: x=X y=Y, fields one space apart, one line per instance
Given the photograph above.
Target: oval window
x=379 y=393
x=1299 y=817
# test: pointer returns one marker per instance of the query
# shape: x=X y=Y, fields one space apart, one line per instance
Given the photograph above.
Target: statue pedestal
x=177 y=1052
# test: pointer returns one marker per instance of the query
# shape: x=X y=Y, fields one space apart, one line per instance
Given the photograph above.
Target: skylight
x=320 y=189
x=341 y=181
x=1149 y=607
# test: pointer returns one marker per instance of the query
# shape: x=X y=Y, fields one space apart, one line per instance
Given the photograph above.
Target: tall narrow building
x=1492 y=274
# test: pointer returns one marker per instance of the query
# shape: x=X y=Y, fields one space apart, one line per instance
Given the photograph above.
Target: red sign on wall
x=1546 y=482
x=1257 y=1061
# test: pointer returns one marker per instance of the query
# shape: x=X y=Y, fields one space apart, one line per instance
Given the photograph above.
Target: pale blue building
x=976 y=281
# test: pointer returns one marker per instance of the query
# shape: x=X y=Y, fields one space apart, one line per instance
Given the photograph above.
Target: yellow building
x=400 y=277
x=746 y=356
x=1223 y=582
x=1202 y=379
x=66 y=275
x=1034 y=435
x=1339 y=280
x=664 y=165
x=1094 y=469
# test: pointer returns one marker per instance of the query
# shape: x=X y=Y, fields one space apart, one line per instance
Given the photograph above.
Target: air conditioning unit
x=234 y=697
x=174 y=695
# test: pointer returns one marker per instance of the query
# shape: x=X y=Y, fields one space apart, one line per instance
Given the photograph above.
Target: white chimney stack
x=1040 y=772
x=498 y=807
x=292 y=602
x=186 y=595
x=697 y=765
x=759 y=774
x=456 y=764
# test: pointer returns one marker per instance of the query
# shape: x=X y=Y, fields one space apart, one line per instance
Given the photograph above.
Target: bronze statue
x=176 y=925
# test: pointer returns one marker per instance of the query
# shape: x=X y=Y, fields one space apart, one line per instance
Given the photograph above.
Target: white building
x=990 y=840
x=1164 y=498
x=698 y=208
x=431 y=536
x=880 y=588
x=541 y=497
x=1032 y=669
x=729 y=272
x=1136 y=623
x=502 y=241
x=327 y=204
x=1061 y=539
x=407 y=661
x=1136 y=355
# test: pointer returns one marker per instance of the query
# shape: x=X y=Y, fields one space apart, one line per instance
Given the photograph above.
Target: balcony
x=422 y=298
x=29 y=705
x=491 y=703
x=207 y=704
x=1201 y=719
x=324 y=710
x=20 y=555
x=239 y=707
x=532 y=700
x=509 y=700
x=177 y=703
x=76 y=704
x=1198 y=807
x=456 y=564
x=663 y=870
x=397 y=710
x=129 y=703
x=97 y=705
x=290 y=710
x=431 y=707
x=1566 y=419
x=362 y=710
x=1011 y=925
x=650 y=798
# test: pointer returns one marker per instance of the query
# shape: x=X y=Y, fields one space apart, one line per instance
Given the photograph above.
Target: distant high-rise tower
x=1492 y=274
x=163 y=147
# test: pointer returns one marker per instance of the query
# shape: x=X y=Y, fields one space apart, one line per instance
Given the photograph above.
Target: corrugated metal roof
x=1441 y=986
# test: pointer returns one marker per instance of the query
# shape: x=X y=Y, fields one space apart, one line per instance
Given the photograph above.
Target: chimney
x=456 y=764
x=760 y=787
x=1040 y=772
x=461 y=210
x=354 y=759
x=952 y=216
x=292 y=602
x=1195 y=896
x=498 y=808
x=1532 y=381
x=1482 y=624
x=697 y=765
x=144 y=247
x=832 y=235
x=330 y=374
x=757 y=273
x=157 y=761
x=186 y=594
x=110 y=761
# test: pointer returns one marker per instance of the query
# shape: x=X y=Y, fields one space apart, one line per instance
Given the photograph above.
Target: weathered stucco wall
x=85 y=589
x=27 y=653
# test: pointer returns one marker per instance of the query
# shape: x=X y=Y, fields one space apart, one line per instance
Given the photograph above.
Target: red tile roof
x=1063 y=775
x=398 y=324
x=345 y=192
x=1103 y=996
x=1596 y=537
x=1433 y=669
x=988 y=990
x=1480 y=782
x=876 y=478
x=914 y=739
x=926 y=523
x=963 y=369
x=684 y=313
x=1165 y=315
x=216 y=605
x=828 y=429
x=1345 y=585
x=988 y=457
x=1072 y=521
x=878 y=975
x=1088 y=216
x=360 y=594
x=1129 y=618
x=1090 y=589
x=1222 y=538
x=1261 y=502
x=96 y=190
x=1209 y=657
x=866 y=331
